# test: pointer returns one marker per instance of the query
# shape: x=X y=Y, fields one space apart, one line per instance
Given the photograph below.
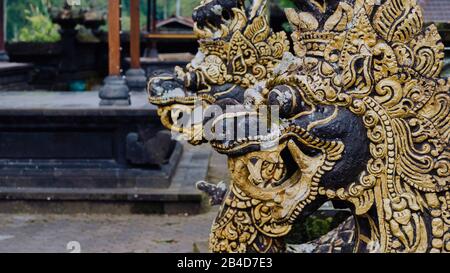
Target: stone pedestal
x=136 y=80
x=114 y=92
x=62 y=153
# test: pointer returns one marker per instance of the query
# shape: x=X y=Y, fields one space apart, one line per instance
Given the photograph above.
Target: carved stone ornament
x=364 y=120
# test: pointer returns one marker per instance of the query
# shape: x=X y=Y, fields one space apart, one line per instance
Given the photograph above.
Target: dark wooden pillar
x=151 y=51
x=114 y=91
x=151 y=16
x=154 y=49
x=3 y=55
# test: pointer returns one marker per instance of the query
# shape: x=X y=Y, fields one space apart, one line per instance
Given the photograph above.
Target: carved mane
x=371 y=62
x=384 y=67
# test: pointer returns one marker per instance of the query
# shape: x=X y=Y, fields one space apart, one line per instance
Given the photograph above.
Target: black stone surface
x=14 y=76
x=50 y=140
x=63 y=146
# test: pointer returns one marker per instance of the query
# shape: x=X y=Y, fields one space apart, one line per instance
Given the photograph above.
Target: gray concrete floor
x=109 y=233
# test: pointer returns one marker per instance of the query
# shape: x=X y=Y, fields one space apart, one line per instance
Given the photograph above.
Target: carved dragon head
x=363 y=121
x=237 y=49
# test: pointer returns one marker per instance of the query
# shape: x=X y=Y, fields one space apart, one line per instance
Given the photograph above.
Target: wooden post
x=136 y=77
x=115 y=90
x=3 y=55
x=114 y=37
x=135 y=34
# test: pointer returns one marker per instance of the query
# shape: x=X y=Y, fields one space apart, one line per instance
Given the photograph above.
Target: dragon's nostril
x=226 y=15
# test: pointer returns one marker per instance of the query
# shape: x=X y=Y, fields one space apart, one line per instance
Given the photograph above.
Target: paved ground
x=108 y=233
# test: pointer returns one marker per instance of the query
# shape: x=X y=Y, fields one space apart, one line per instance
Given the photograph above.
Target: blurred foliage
x=315 y=226
x=17 y=11
x=39 y=27
x=286 y=3
x=27 y=14
x=309 y=229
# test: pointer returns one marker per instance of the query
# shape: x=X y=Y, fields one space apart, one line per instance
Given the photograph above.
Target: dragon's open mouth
x=246 y=130
x=270 y=190
x=167 y=89
x=245 y=136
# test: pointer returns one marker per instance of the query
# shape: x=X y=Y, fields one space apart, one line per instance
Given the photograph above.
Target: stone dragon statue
x=364 y=122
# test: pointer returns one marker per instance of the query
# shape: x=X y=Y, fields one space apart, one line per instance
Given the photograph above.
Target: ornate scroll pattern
x=247 y=58
x=262 y=205
x=364 y=119
x=388 y=68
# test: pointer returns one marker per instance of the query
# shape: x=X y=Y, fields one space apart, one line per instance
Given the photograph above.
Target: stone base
x=114 y=92
x=15 y=76
x=56 y=201
x=136 y=80
x=64 y=153
x=180 y=197
x=114 y=102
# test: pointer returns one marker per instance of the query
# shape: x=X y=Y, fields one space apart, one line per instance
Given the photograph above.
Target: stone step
x=15 y=76
x=180 y=197
x=114 y=201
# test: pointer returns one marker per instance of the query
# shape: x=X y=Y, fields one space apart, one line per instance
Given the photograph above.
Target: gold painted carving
x=247 y=58
x=375 y=60
x=387 y=69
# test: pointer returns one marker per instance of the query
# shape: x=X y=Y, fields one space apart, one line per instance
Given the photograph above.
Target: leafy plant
x=315 y=226
x=286 y=4
x=40 y=28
